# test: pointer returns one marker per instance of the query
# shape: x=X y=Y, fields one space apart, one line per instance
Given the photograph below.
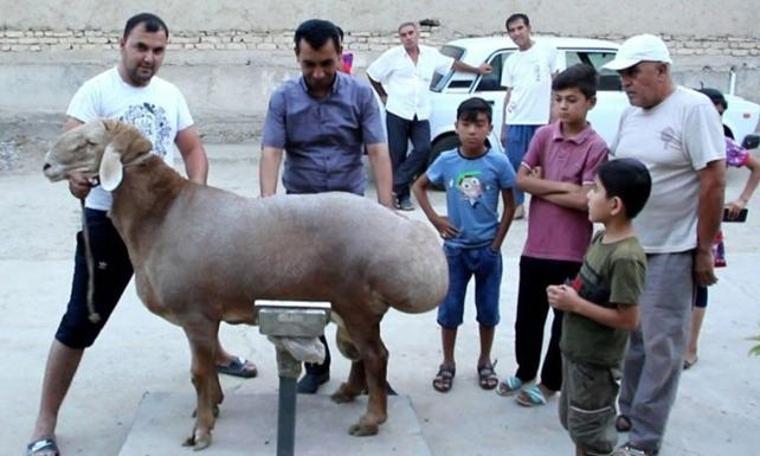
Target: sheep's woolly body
x=202 y=255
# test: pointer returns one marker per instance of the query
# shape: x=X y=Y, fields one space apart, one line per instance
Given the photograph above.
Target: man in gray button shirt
x=323 y=120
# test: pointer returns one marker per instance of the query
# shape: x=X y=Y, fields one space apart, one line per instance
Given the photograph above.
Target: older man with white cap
x=677 y=133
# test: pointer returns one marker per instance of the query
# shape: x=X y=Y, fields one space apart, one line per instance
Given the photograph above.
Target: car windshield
x=608 y=79
x=439 y=80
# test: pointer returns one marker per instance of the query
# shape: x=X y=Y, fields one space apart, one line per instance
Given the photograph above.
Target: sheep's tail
x=94 y=315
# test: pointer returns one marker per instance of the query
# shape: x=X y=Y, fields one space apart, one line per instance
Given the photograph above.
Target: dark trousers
x=406 y=168
x=318 y=369
x=112 y=270
x=532 y=309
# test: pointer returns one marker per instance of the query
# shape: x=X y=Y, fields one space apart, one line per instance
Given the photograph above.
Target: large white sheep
x=202 y=255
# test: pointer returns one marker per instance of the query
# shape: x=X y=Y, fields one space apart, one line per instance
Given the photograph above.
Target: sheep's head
x=99 y=147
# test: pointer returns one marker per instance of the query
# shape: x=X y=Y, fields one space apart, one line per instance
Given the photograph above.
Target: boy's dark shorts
x=113 y=270
x=587 y=405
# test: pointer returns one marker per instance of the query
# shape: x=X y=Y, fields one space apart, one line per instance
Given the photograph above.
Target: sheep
x=202 y=255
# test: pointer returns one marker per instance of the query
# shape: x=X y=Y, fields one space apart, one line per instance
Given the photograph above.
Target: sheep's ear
x=111 y=171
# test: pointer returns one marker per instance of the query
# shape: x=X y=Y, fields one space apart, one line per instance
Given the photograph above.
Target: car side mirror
x=751 y=142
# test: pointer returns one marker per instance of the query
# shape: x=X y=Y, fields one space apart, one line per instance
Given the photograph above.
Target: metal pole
x=286 y=417
x=281 y=320
x=289 y=369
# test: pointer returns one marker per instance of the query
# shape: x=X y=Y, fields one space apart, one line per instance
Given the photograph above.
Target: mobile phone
x=742 y=217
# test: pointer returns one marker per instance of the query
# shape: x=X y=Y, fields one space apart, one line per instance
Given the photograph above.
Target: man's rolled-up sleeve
x=371 y=122
x=274 y=133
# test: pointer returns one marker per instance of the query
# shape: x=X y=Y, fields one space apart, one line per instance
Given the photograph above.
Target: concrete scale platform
x=247 y=425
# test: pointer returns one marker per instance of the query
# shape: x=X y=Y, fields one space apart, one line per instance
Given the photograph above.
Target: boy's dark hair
x=517 y=17
x=580 y=76
x=469 y=109
x=629 y=180
x=152 y=23
x=317 y=32
x=715 y=96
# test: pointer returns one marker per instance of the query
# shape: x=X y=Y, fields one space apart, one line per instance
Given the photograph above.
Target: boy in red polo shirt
x=557 y=170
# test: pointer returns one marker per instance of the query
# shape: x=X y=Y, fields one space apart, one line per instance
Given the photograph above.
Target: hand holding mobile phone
x=741 y=217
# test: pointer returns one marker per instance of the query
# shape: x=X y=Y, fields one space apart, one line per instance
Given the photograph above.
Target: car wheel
x=448 y=142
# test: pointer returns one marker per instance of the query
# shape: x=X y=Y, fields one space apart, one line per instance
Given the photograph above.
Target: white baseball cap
x=639 y=48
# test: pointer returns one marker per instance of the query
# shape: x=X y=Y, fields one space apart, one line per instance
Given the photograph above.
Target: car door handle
x=491 y=102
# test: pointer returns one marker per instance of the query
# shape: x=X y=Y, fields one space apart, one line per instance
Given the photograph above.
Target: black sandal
x=44 y=445
x=444 y=379
x=487 y=377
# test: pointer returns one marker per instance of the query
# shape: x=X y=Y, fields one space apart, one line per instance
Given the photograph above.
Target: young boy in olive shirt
x=600 y=306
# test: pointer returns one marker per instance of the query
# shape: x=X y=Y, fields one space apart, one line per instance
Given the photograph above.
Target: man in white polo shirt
x=401 y=77
x=677 y=133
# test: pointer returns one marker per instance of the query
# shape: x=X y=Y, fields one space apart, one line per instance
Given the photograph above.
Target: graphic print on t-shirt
x=469 y=185
x=670 y=139
x=152 y=122
x=591 y=285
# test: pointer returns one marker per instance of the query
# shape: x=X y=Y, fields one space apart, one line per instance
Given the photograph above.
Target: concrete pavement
x=716 y=411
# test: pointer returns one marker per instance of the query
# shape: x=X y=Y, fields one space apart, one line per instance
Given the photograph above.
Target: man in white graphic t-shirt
x=527 y=74
x=130 y=92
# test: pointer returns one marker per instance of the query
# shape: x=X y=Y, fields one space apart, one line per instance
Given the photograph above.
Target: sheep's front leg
x=202 y=336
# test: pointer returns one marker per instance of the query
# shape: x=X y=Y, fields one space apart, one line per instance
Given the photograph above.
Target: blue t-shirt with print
x=473 y=186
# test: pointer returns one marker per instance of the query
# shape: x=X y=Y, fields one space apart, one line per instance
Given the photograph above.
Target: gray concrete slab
x=248 y=425
x=717 y=410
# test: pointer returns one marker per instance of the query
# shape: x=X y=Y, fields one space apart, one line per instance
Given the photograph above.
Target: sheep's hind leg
x=356 y=384
x=357 y=381
x=202 y=338
x=375 y=361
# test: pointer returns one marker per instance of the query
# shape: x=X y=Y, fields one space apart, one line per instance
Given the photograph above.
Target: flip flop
x=509 y=386
x=45 y=445
x=237 y=368
x=688 y=364
x=531 y=396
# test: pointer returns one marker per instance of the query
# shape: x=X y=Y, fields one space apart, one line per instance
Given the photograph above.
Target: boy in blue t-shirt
x=474 y=176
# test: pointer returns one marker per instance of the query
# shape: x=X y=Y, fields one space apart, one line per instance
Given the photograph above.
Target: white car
x=449 y=90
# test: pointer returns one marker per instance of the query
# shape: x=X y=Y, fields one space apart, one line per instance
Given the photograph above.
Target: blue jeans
x=518 y=140
x=405 y=168
x=485 y=264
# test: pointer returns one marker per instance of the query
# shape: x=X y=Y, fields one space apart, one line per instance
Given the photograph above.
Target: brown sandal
x=444 y=379
x=487 y=376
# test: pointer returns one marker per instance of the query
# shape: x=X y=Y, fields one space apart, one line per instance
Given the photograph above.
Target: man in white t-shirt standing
x=401 y=77
x=677 y=133
x=527 y=74
x=130 y=92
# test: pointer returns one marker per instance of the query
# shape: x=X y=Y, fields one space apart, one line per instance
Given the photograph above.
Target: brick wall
x=374 y=42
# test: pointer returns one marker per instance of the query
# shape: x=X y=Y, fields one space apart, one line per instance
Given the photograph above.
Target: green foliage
x=756 y=349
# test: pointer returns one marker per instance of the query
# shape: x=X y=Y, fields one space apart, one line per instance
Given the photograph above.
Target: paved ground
x=716 y=412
